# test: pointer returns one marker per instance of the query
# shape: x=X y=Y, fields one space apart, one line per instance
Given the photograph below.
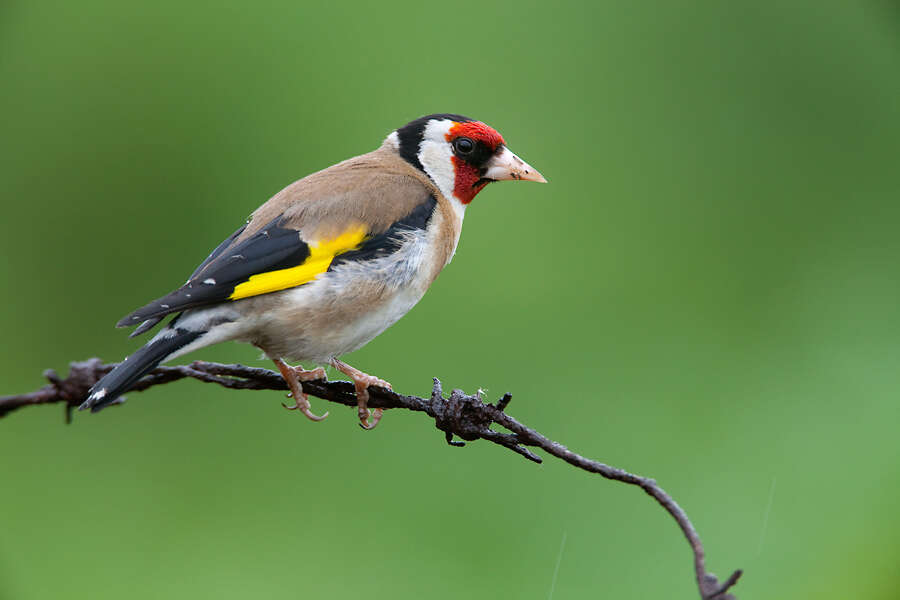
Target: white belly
x=347 y=307
x=360 y=332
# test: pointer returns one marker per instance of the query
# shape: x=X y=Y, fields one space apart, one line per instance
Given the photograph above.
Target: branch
x=460 y=415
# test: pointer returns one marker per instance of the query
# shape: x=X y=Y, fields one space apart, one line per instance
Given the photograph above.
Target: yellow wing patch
x=320 y=256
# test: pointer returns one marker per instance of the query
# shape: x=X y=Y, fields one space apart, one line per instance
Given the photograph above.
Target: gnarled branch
x=460 y=415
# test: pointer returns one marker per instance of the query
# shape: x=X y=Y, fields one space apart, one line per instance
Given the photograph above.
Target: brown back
x=374 y=189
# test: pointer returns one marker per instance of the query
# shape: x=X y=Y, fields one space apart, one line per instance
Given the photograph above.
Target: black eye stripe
x=479 y=155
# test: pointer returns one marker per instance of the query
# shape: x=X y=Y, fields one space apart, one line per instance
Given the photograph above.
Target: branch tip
x=720 y=592
x=52 y=376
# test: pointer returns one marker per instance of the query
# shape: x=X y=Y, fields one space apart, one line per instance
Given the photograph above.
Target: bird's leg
x=293 y=376
x=361 y=382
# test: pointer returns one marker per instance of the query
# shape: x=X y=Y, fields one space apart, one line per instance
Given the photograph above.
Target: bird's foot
x=293 y=376
x=362 y=382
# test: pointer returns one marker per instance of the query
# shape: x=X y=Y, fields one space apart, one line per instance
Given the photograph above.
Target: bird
x=329 y=262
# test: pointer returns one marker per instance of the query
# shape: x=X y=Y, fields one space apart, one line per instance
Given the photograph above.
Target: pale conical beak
x=506 y=165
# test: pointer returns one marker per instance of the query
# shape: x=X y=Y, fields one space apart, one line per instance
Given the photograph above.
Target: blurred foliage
x=706 y=293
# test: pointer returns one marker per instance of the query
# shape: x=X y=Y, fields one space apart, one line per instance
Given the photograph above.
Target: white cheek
x=437 y=159
x=438 y=163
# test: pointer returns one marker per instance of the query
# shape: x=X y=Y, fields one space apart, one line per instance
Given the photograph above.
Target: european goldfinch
x=330 y=261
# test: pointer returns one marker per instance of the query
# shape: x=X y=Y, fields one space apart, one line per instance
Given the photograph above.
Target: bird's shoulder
x=373 y=190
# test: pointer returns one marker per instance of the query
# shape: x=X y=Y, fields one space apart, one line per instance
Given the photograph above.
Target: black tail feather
x=128 y=372
x=145 y=326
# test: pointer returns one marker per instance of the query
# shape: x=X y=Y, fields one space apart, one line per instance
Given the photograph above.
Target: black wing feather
x=271 y=248
x=154 y=321
x=219 y=249
x=390 y=241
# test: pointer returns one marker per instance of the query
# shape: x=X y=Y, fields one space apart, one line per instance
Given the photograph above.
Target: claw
x=364 y=418
x=293 y=376
x=362 y=382
x=362 y=385
x=304 y=407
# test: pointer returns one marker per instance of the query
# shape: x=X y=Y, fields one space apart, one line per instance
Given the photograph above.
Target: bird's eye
x=463 y=145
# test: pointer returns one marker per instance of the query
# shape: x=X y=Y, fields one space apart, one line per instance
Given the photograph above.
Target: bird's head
x=460 y=155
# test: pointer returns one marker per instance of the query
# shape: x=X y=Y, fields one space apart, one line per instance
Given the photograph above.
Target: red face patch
x=466 y=176
x=478 y=131
x=465 y=179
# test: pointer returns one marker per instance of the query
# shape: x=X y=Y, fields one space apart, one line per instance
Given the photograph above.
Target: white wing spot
x=164 y=305
x=99 y=394
x=209 y=281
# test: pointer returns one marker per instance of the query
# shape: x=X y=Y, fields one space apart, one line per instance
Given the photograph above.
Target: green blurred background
x=706 y=293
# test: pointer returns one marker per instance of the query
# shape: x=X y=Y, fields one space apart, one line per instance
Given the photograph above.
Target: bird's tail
x=118 y=381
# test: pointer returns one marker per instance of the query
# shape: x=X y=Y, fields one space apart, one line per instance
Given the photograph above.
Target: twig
x=460 y=415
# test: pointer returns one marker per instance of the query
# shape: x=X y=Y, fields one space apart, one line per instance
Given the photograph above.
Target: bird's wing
x=300 y=243
x=151 y=322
